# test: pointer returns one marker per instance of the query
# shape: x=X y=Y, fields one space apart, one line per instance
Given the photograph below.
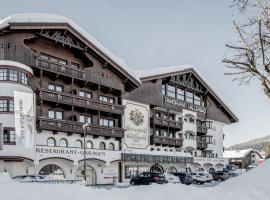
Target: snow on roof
x=16 y=64
x=162 y=70
x=166 y=71
x=236 y=153
x=53 y=18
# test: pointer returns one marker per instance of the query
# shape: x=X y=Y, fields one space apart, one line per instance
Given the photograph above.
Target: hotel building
x=166 y=120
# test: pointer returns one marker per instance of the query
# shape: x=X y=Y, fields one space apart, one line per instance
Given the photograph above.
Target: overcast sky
x=156 y=33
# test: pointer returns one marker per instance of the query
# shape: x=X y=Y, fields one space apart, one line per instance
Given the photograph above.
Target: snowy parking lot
x=253 y=185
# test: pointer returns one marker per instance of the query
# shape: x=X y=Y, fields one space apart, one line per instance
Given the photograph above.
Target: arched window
x=63 y=142
x=89 y=145
x=102 y=146
x=191 y=118
x=78 y=144
x=195 y=154
x=51 y=142
x=52 y=170
x=111 y=146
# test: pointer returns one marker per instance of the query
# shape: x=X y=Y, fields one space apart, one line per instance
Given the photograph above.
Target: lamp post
x=84 y=149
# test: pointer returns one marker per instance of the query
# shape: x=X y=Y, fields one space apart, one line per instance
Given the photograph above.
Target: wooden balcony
x=201 y=129
x=76 y=127
x=78 y=101
x=167 y=123
x=166 y=141
x=201 y=145
x=60 y=68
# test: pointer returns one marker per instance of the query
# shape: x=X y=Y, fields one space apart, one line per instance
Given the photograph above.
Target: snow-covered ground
x=254 y=185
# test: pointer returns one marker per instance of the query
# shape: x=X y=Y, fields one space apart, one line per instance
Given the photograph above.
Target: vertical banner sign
x=1 y=137
x=24 y=118
x=136 y=124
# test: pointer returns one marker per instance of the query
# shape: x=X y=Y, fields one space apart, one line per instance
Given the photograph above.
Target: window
x=85 y=94
x=57 y=88
x=3 y=105
x=9 y=135
x=3 y=74
x=197 y=99
x=53 y=59
x=163 y=89
x=89 y=145
x=102 y=146
x=107 y=99
x=111 y=146
x=171 y=117
x=180 y=94
x=24 y=78
x=63 y=142
x=171 y=91
x=106 y=122
x=172 y=135
x=189 y=97
x=85 y=119
x=158 y=133
x=78 y=144
x=51 y=142
x=157 y=114
x=13 y=75
x=55 y=114
x=208 y=124
x=165 y=134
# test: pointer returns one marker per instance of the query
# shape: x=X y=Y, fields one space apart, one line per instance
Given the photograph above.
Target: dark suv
x=148 y=178
x=185 y=177
x=220 y=176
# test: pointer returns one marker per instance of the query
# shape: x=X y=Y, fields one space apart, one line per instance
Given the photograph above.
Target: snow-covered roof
x=16 y=64
x=162 y=72
x=160 y=153
x=236 y=153
x=53 y=18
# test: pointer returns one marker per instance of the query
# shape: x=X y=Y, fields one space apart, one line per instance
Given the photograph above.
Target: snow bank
x=253 y=185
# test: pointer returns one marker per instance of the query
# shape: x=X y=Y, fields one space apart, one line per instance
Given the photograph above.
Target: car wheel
x=132 y=183
x=194 y=182
x=220 y=179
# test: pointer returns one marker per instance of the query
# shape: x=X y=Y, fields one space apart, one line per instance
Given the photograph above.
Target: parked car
x=171 y=178
x=148 y=178
x=184 y=177
x=220 y=176
x=201 y=177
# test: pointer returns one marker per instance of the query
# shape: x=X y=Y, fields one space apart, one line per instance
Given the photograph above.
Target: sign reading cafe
x=136 y=124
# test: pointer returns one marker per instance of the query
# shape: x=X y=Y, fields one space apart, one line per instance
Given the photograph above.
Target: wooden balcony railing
x=75 y=127
x=201 y=145
x=75 y=100
x=60 y=68
x=167 y=122
x=167 y=141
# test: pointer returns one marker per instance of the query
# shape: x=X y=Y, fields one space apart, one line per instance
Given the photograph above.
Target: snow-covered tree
x=249 y=57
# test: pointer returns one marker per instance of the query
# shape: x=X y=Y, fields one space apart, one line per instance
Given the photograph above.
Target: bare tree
x=250 y=55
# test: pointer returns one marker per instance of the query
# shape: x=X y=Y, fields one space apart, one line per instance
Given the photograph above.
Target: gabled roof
x=49 y=19
x=240 y=153
x=157 y=73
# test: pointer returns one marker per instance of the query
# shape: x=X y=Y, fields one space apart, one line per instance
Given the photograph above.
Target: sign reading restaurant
x=136 y=124
x=183 y=104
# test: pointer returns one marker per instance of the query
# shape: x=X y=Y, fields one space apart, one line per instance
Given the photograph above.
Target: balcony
x=166 y=141
x=59 y=68
x=167 y=123
x=201 y=128
x=201 y=145
x=75 y=127
x=78 y=101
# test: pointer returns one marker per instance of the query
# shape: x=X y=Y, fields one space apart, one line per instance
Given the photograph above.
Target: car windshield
x=201 y=174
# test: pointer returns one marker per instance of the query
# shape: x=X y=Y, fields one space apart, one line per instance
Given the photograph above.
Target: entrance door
x=90 y=175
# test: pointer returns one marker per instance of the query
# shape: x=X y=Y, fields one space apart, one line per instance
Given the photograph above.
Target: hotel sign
x=132 y=157
x=185 y=105
x=136 y=124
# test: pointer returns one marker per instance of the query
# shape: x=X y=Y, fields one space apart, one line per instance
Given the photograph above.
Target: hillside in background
x=257 y=144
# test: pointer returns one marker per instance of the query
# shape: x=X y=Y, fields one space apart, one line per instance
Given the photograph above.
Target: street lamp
x=84 y=149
